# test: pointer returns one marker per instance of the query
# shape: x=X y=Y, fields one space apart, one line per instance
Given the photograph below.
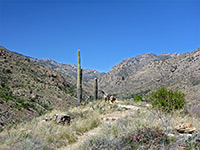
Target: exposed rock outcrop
x=185 y=128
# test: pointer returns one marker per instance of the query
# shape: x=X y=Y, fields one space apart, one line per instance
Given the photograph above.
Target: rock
x=148 y=105
x=170 y=135
x=185 y=128
x=185 y=135
x=106 y=98
x=112 y=99
x=110 y=118
x=62 y=118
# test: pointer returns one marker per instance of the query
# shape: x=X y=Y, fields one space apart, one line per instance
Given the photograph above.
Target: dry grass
x=110 y=135
x=39 y=134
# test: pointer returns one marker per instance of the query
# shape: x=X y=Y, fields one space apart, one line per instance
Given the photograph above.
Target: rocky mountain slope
x=147 y=72
x=28 y=89
x=139 y=75
x=69 y=72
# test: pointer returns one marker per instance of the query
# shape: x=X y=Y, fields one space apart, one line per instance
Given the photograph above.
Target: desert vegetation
x=33 y=98
x=41 y=134
x=101 y=125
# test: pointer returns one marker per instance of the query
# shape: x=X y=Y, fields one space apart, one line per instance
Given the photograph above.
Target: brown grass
x=86 y=124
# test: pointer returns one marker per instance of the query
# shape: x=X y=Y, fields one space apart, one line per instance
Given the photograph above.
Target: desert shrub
x=31 y=99
x=98 y=143
x=19 y=85
x=7 y=71
x=167 y=100
x=3 y=85
x=19 y=107
x=196 y=110
x=20 y=100
x=193 y=142
x=137 y=98
x=140 y=137
x=26 y=105
x=45 y=106
x=6 y=95
x=145 y=135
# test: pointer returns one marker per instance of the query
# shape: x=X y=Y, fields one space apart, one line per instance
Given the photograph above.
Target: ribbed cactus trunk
x=95 y=89
x=79 y=81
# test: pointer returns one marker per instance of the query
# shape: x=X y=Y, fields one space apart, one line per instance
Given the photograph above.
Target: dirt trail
x=106 y=118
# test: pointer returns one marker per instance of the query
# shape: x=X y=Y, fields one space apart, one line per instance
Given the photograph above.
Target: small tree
x=165 y=102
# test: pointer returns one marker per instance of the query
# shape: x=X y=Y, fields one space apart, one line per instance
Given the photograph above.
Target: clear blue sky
x=106 y=32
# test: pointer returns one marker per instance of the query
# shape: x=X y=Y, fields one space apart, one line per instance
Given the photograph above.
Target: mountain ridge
x=133 y=74
x=124 y=77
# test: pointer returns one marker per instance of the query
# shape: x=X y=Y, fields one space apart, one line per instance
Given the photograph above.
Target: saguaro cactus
x=95 y=89
x=79 y=81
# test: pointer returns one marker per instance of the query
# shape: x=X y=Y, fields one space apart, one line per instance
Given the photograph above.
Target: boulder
x=62 y=118
x=185 y=128
x=112 y=99
x=106 y=98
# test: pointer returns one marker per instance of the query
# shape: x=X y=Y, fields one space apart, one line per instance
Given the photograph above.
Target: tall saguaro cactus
x=95 y=89
x=79 y=81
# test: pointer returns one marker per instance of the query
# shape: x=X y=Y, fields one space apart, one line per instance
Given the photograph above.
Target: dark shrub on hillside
x=167 y=100
x=137 y=98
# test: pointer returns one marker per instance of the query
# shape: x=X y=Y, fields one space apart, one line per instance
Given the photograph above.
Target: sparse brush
x=98 y=143
x=84 y=125
x=193 y=142
x=42 y=134
x=145 y=135
x=196 y=110
x=114 y=138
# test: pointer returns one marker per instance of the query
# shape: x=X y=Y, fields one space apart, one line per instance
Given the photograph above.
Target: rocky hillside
x=28 y=89
x=69 y=70
x=148 y=72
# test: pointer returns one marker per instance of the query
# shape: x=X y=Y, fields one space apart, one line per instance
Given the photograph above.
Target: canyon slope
x=28 y=89
x=148 y=72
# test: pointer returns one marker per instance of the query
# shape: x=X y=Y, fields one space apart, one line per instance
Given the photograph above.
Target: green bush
x=45 y=106
x=7 y=71
x=167 y=100
x=26 y=105
x=20 y=100
x=137 y=98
